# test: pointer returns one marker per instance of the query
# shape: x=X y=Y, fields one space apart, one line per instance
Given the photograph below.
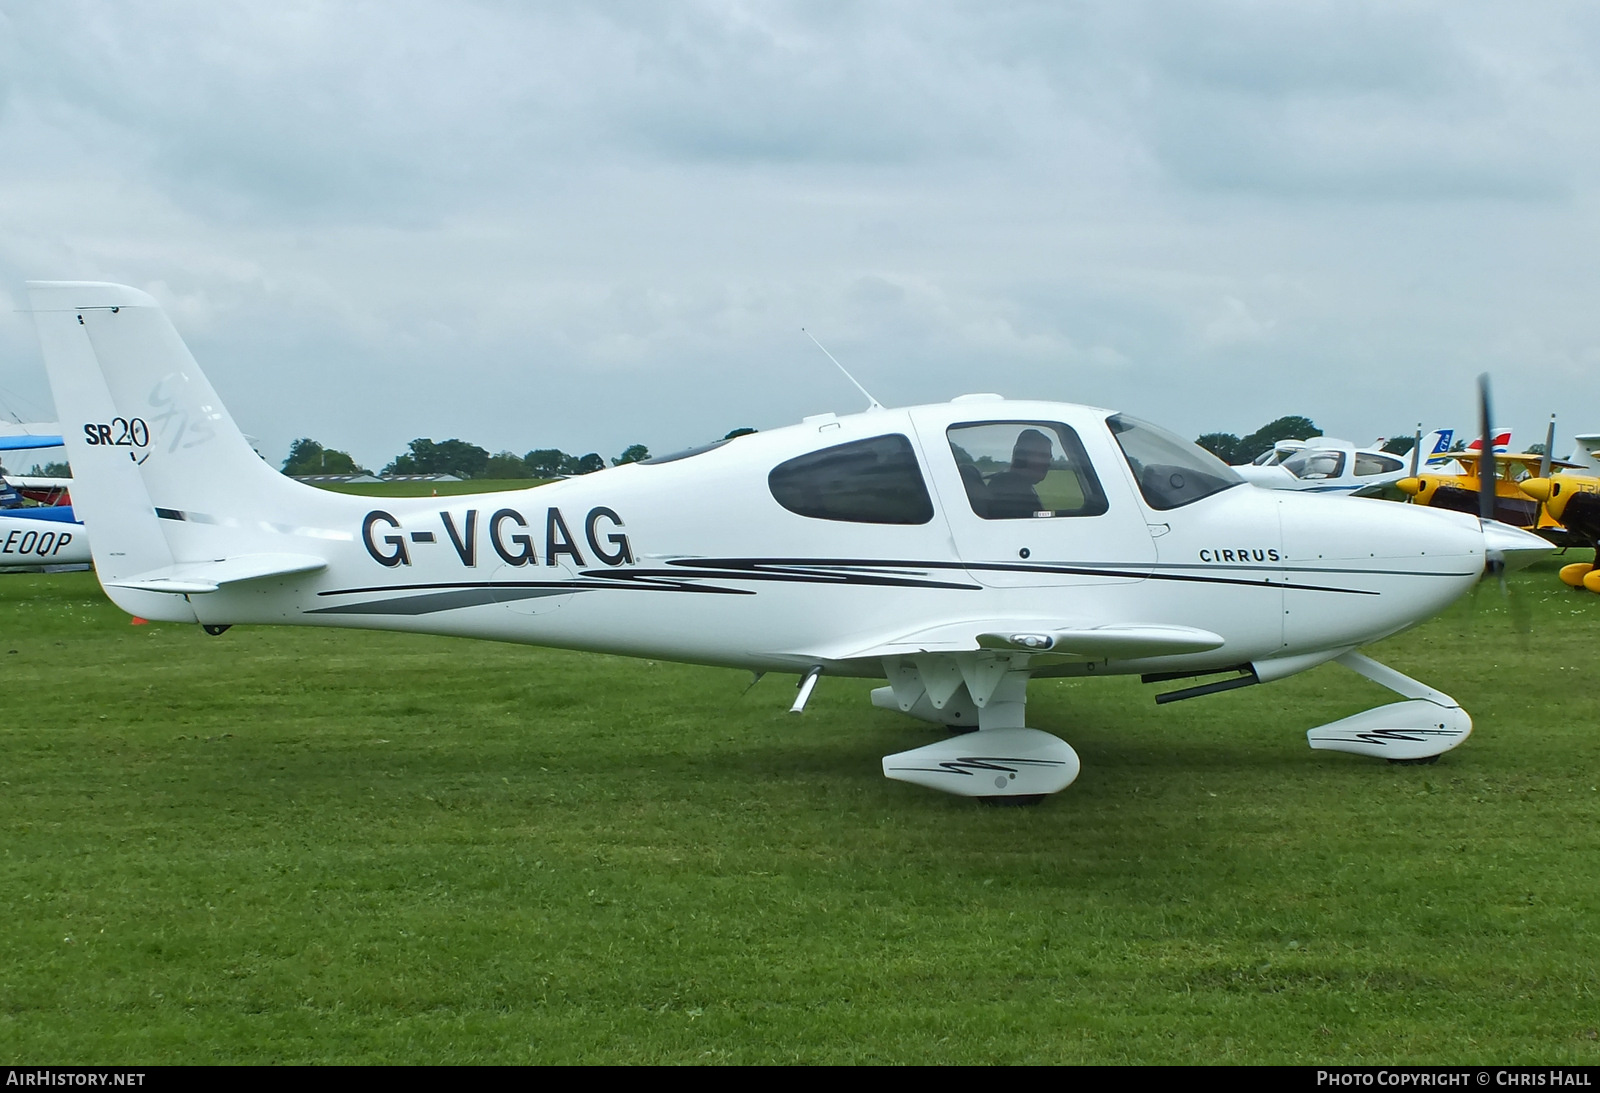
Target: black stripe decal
x=813 y=574
x=849 y=571
x=1139 y=569
x=442 y=601
x=549 y=587
x=832 y=571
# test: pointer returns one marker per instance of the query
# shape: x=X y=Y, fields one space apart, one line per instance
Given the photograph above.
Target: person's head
x=1030 y=457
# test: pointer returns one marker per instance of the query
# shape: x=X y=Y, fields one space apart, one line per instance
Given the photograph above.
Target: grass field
x=318 y=846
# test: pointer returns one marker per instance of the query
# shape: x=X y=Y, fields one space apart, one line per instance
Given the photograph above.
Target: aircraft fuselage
x=696 y=559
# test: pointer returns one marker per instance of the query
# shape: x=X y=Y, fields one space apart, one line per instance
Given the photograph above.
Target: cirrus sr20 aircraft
x=955 y=550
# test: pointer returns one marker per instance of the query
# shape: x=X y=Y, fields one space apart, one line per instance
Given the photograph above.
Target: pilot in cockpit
x=1011 y=492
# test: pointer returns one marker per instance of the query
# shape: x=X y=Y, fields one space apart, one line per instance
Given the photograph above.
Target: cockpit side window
x=1170 y=471
x=874 y=481
x=1015 y=470
x=1368 y=463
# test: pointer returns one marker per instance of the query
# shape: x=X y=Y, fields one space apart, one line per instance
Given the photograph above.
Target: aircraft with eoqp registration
x=32 y=536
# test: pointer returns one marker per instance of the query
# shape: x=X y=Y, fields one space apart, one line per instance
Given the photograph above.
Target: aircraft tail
x=1586 y=452
x=163 y=479
x=1434 y=449
x=1501 y=439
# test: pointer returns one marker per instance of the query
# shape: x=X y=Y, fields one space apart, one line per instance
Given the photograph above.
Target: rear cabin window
x=1369 y=463
x=873 y=481
x=1019 y=470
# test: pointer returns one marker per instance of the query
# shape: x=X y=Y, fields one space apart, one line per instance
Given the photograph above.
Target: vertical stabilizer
x=1586 y=452
x=107 y=490
x=1435 y=449
x=148 y=439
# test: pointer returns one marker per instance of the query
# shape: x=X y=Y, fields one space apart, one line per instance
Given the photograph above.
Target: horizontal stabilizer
x=1112 y=642
x=196 y=577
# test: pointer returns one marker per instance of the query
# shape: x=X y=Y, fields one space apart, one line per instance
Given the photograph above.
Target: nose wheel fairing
x=1426 y=725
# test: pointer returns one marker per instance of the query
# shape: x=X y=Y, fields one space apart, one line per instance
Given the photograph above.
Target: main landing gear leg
x=1004 y=761
x=1418 y=730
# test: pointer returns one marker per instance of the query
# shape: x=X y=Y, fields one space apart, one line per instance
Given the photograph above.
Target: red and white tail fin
x=1502 y=442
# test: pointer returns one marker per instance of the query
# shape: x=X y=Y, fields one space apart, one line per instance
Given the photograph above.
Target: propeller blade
x=1549 y=448
x=1505 y=548
x=1486 y=468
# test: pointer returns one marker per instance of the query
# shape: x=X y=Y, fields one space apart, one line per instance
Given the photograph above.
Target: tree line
x=461 y=459
x=466 y=460
x=1234 y=450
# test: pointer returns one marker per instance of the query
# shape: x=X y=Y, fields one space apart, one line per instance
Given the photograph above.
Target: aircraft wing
x=34 y=482
x=199 y=577
x=24 y=442
x=1111 y=641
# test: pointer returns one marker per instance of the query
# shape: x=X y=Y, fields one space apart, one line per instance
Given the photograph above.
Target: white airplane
x=23 y=437
x=1324 y=464
x=49 y=535
x=1585 y=452
x=954 y=550
x=44 y=535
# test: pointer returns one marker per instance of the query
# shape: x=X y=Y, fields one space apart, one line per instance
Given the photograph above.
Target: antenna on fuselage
x=872 y=403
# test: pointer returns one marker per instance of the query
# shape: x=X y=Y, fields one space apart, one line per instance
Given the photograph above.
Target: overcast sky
x=584 y=225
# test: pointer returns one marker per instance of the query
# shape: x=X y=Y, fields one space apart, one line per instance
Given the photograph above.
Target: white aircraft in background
x=37 y=535
x=33 y=437
x=954 y=550
x=1324 y=464
x=41 y=535
x=1586 y=452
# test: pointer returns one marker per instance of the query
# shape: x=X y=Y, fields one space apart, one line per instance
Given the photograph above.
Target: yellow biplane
x=1512 y=505
x=1574 y=500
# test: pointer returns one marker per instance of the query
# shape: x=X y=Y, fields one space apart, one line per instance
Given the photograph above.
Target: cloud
x=593 y=225
x=1385 y=101
x=393 y=111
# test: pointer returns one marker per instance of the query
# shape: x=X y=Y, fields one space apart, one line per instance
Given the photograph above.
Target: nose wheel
x=1416 y=731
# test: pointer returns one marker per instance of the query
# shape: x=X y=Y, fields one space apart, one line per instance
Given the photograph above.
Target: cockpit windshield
x=1316 y=463
x=1170 y=471
x=1279 y=452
